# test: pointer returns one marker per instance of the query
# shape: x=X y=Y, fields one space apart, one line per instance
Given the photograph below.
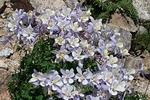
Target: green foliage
x=105 y=9
x=41 y=59
x=86 y=89
x=136 y=96
x=91 y=64
x=140 y=43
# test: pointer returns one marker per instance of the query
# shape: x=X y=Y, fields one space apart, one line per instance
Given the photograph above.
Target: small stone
x=6 y=52
x=142 y=30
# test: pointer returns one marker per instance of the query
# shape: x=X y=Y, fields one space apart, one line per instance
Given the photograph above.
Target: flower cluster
x=78 y=36
x=64 y=84
x=25 y=26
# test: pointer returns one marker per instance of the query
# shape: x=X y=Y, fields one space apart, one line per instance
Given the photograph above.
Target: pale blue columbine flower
x=73 y=41
x=108 y=77
x=83 y=77
x=27 y=34
x=77 y=54
x=91 y=50
x=45 y=15
x=60 y=40
x=65 y=12
x=91 y=97
x=62 y=54
x=16 y=19
x=84 y=43
x=129 y=74
x=112 y=62
x=69 y=92
x=54 y=80
x=95 y=80
x=97 y=24
x=76 y=27
x=68 y=76
x=85 y=16
x=117 y=86
x=37 y=78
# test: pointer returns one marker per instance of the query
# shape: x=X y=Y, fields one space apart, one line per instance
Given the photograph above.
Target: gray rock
x=2 y=2
x=143 y=8
x=41 y=5
x=123 y=22
x=142 y=30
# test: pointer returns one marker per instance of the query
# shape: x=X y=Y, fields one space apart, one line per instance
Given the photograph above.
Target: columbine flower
x=124 y=52
x=69 y=92
x=65 y=11
x=75 y=27
x=74 y=42
x=95 y=80
x=16 y=19
x=60 y=40
x=62 y=54
x=84 y=43
x=119 y=44
x=68 y=76
x=77 y=54
x=106 y=53
x=27 y=34
x=97 y=24
x=91 y=50
x=85 y=16
x=45 y=15
x=117 y=87
x=90 y=97
x=113 y=61
x=108 y=77
x=37 y=78
x=54 y=81
x=129 y=74
x=83 y=77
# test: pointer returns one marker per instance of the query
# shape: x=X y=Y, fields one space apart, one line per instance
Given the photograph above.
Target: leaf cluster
x=105 y=9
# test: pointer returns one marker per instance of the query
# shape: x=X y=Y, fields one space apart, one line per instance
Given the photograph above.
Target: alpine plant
x=78 y=37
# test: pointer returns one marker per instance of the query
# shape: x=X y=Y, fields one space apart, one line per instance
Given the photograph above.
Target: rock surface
x=123 y=22
x=41 y=5
x=141 y=85
x=143 y=8
x=2 y=2
x=4 y=77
